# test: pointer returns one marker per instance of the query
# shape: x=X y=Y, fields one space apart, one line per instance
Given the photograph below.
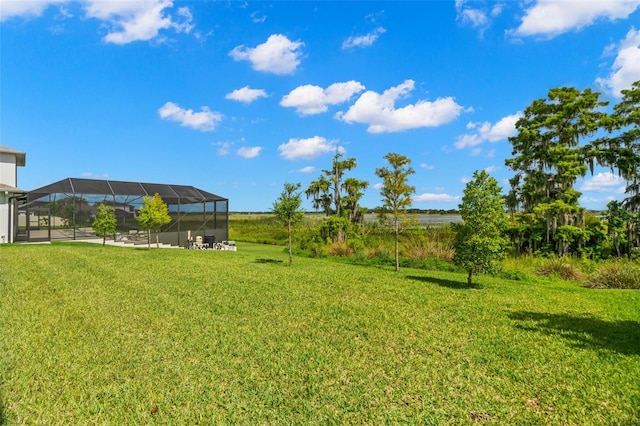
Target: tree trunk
x=157 y=239
x=290 y=254
x=469 y=278
x=397 y=231
x=149 y=239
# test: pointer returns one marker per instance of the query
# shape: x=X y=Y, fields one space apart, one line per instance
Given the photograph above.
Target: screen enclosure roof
x=171 y=194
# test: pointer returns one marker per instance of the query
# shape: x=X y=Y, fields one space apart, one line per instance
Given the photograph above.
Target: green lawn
x=109 y=335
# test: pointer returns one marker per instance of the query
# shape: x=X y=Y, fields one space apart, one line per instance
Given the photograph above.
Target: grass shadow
x=262 y=260
x=584 y=331
x=459 y=285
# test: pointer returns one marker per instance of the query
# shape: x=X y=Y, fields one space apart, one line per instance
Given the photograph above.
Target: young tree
x=480 y=240
x=105 y=222
x=396 y=192
x=288 y=211
x=152 y=215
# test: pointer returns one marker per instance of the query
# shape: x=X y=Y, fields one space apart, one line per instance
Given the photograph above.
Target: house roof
x=171 y=194
x=9 y=188
x=21 y=157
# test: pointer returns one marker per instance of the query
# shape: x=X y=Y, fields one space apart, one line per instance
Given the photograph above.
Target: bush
x=560 y=267
x=617 y=274
x=422 y=247
x=340 y=249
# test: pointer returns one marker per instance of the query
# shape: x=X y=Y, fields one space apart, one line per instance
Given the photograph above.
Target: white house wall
x=8 y=170
x=4 y=219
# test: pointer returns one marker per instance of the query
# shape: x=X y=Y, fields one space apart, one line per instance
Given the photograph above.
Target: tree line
x=559 y=139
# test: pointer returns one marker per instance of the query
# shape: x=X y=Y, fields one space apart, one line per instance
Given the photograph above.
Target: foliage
x=424 y=244
x=550 y=154
x=480 y=240
x=396 y=193
x=548 y=160
x=152 y=215
x=105 y=222
x=288 y=211
x=619 y=274
x=127 y=336
x=337 y=196
x=621 y=150
x=340 y=248
x=560 y=267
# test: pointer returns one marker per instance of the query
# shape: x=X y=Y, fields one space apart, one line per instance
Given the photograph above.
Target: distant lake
x=427 y=218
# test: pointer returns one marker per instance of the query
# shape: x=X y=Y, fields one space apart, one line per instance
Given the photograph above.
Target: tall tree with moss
x=549 y=156
x=153 y=214
x=620 y=151
x=480 y=239
x=326 y=192
x=396 y=194
x=287 y=209
x=338 y=197
x=105 y=222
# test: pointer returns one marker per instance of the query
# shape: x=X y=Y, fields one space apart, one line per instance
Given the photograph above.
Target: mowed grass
x=108 y=335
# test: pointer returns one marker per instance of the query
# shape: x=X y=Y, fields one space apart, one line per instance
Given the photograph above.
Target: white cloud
x=205 y=121
x=223 y=148
x=364 y=40
x=504 y=128
x=597 y=200
x=137 y=20
x=246 y=95
x=427 y=166
x=465 y=179
x=550 y=18
x=477 y=17
x=249 y=151
x=256 y=18
x=308 y=169
x=309 y=99
x=94 y=175
x=379 y=111
x=626 y=67
x=436 y=197
x=605 y=182
x=491 y=169
x=126 y=21
x=278 y=55
x=25 y=9
x=307 y=149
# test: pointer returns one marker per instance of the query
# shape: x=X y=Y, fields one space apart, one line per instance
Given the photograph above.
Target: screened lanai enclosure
x=65 y=210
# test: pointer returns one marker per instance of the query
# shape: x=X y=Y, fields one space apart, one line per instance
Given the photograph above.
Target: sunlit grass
x=107 y=335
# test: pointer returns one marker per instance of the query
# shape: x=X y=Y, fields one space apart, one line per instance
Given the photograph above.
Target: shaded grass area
x=110 y=335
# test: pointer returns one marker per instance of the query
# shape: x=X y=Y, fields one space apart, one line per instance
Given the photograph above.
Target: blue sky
x=237 y=98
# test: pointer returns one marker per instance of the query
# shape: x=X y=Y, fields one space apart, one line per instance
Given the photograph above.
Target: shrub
x=422 y=247
x=340 y=248
x=560 y=267
x=380 y=255
x=616 y=274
